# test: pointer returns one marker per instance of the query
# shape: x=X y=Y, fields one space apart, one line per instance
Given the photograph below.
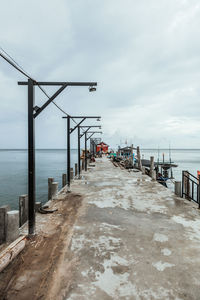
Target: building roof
x=127 y=148
x=103 y=144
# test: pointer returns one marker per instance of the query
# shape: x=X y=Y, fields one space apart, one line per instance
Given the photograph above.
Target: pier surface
x=129 y=238
x=134 y=240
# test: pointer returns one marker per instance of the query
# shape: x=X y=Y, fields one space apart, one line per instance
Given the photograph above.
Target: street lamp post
x=69 y=132
x=86 y=139
x=33 y=112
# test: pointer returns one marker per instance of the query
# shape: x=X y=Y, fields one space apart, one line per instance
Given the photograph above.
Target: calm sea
x=13 y=173
x=52 y=163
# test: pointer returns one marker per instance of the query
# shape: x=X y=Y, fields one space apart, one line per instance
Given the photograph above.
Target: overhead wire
x=18 y=67
x=13 y=63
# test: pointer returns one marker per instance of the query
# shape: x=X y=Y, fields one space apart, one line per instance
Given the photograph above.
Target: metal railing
x=190 y=187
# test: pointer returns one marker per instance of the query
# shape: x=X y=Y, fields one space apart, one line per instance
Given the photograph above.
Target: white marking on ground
x=158 y=237
x=161 y=266
x=166 y=252
x=193 y=226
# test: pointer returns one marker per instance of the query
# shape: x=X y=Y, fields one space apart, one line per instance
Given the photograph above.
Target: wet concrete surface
x=134 y=239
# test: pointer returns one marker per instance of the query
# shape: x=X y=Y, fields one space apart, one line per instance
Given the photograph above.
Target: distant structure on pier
x=102 y=147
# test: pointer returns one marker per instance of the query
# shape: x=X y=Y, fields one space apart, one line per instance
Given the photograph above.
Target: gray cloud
x=144 y=55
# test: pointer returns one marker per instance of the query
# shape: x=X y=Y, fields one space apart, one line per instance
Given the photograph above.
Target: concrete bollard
x=3 y=222
x=71 y=173
x=23 y=209
x=143 y=170
x=64 y=180
x=83 y=164
x=178 y=188
x=54 y=190
x=50 y=181
x=151 y=166
x=153 y=176
x=139 y=159
x=76 y=169
x=38 y=205
x=12 y=225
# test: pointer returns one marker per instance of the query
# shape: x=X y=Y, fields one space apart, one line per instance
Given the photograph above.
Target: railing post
x=198 y=188
x=188 y=186
x=183 y=183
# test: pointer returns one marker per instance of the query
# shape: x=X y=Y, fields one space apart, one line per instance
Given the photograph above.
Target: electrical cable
x=22 y=71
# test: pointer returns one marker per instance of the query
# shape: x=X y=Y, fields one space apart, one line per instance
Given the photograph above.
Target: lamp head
x=98 y=119
x=92 y=89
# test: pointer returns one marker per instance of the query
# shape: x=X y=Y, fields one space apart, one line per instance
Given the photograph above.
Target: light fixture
x=98 y=119
x=92 y=89
x=36 y=108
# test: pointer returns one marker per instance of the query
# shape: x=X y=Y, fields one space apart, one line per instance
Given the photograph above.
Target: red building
x=102 y=147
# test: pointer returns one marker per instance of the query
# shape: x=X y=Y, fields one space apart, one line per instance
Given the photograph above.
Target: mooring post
x=23 y=209
x=64 y=180
x=178 y=188
x=132 y=154
x=54 y=190
x=83 y=166
x=50 y=181
x=71 y=173
x=139 y=159
x=3 y=222
x=76 y=169
x=12 y=225
x=151 y=166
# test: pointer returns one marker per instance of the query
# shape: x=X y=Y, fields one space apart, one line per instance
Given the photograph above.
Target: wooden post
x=139 y=159
x=76 y=169
x=3 y=223
x=71 y=173
x=23 y=209
x=64 y=180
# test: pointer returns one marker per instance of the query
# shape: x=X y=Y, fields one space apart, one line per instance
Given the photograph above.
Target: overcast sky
x=145 y=56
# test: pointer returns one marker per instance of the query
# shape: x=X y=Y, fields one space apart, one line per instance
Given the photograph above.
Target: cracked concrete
x=134 y=240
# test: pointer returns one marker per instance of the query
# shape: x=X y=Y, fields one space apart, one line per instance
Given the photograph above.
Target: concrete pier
x=134 y=240
x=117 y=235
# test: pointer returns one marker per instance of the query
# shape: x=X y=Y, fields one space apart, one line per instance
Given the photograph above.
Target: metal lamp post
x=69 y=131
x=87 y=138
x=33 y=112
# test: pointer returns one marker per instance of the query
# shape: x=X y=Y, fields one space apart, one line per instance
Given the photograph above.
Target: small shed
x=125 y=151
x=102 y=147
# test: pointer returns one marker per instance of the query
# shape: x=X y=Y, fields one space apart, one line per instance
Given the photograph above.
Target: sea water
x=52 y=163
x=14 y=171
